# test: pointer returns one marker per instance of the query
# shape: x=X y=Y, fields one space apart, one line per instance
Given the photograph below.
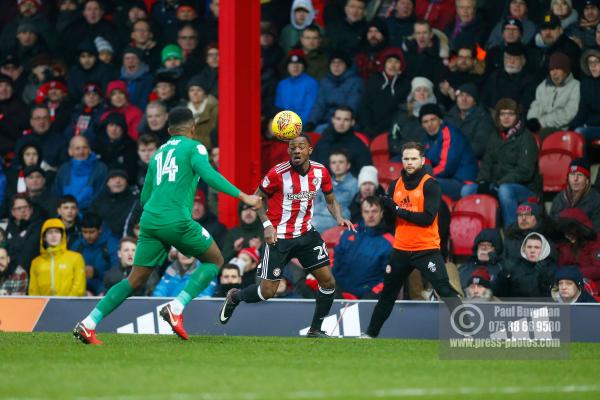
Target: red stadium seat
x=314 y=137
x=379 y=148
x=449 y=202
x=464 y=227
x=554 y=166
x=364 y=138
x=332 y=236
x=388 y=171
x=567 y=141
x=484 y=205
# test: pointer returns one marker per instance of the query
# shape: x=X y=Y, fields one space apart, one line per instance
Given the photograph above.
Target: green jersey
x=172 y=179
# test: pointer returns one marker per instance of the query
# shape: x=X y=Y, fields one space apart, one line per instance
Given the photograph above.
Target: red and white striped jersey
x=291 y=196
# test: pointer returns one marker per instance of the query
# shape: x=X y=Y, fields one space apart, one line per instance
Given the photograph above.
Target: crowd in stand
x=86 y=86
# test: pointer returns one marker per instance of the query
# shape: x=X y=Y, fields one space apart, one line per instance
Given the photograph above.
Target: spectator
x=345 y=186
x=83 y=176
x=587 y=120
x=517 y=9
x=99 y=250
x=29 y=155
x=30 y=13
x=585 y=30
x=136 y=75
x=10 y=104
x=405 y=125
x=13 y=278
x=45 y=279
x=143 y=38
x=302 y=15
x=205 y=108
x=311 y=43
x=205 y=217
x=530 y=275
x=50 y=141
x=373 y=44
x=178 y=274
x=479 y=287
x=38 y=191
x=146 y=146
x=28 y=42
x=165 y=88
x=86 y=115
x=472 y=119
x=509 y=169
x=38 y=72
x=556 y=99
x=344 y=34
x=54 y=94
x=529 y=219
x=552 y=39
x=578 y=193
x=425 y=52
x=400 y=22
x=298 y=92
x=569 y=287
x=340 y=135
x=464 y=68
x=115 y=202
x=368 y=185
x=68 y=14
x=113 y=146
x=341 y=87
x=10 y=66
x=268 y=86
x=384 y=92
x=448 y=151
x=247 y=260
x=248 y=233
x=118 y=100
x=68 y=213
x=122 y=268
x=564 y=10
x=361 y=257
x=580 y=244
x=209 y=76
x=512 y=80
x=172 y=62
x=192 y=52
x=156 y=122
x=512 y=32
x=229 y=278
x=22 y=231
x=467 y=26
x=270 y=52
x=487 y=253
x=88 y=69
x=438 y=13
x=105 y=51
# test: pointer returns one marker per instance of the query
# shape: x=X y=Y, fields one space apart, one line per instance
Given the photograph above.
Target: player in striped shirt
x=289 y=190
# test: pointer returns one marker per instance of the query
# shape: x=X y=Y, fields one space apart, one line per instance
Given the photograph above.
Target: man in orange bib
x=415 y=199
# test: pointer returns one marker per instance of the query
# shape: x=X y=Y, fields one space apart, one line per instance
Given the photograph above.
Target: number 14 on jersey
x=168 y=168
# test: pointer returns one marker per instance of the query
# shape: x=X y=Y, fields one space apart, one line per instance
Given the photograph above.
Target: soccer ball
x=286 y=125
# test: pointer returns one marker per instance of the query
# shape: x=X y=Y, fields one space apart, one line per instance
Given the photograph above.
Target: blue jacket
x=101 y=255
x=343 y=90
x=84 y=179
x=139 y=85
x=361 y=258
x=297 y=94
x=450 y=154
x=172 y=282
x=344 y=191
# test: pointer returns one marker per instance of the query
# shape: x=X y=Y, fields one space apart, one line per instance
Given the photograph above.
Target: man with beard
x=464 y=68
x=479 y=287
x=374 y=42
x=230 y=278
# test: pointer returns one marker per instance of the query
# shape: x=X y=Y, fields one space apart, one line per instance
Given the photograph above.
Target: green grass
x=132 y=367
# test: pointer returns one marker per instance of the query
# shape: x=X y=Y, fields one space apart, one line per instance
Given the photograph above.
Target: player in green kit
x=167 y=199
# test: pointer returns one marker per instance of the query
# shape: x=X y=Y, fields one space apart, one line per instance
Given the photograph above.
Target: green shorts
x=189 y=237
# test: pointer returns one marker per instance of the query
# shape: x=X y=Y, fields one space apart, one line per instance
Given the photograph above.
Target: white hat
x=420 y=81
x=368 y=173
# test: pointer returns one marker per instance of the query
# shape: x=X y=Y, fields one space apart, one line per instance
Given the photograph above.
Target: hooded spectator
x=587 y=120
x=569 y=287
x=302 y=15
x=88 y=69
x=117 y=98
x=113 y=146
x=578 y=193
x=10 y=105
x=585 y=29
x=487 y=255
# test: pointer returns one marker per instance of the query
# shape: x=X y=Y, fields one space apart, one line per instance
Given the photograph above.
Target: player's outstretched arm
x=334 y=209
x=212 y=177
x=270 y=235
x=251 y=199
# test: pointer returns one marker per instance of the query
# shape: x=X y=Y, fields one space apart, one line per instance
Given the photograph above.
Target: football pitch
x=132 y=367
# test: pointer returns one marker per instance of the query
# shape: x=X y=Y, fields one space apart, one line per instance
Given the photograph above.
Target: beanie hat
x=380 y=24
x=368 y=173
x=171 y=51
x=513 y=22
x=393 y=52
x=116 y=85
x=506 y=104
x=196 y=80
x=103 y=45
x=569 y=3
x=428 y=109
x=92 y=87
x=251 y=252
x=341 y=55
x=134 y=50
x=594 y=3
x=6 y=79
x=27 y=26
x=515 y=49
x=481 y=277
x=559 y=60
x=296 y=56
x=470 y=89
x=529 y=208
x=114 y=172
x=87 y=46
x=420 y=81
x=580 y=165
x=34 y=168
x=570 y=273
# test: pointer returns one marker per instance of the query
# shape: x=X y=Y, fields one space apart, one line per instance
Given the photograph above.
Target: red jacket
x=438 y=13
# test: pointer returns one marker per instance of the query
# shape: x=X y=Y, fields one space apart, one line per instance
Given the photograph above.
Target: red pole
x=239 y=100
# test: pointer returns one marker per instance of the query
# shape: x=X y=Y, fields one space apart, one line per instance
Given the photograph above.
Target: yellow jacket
x=57 y=271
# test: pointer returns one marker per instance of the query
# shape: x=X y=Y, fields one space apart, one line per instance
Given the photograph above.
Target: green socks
x=199 y=280
x=113 y=298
